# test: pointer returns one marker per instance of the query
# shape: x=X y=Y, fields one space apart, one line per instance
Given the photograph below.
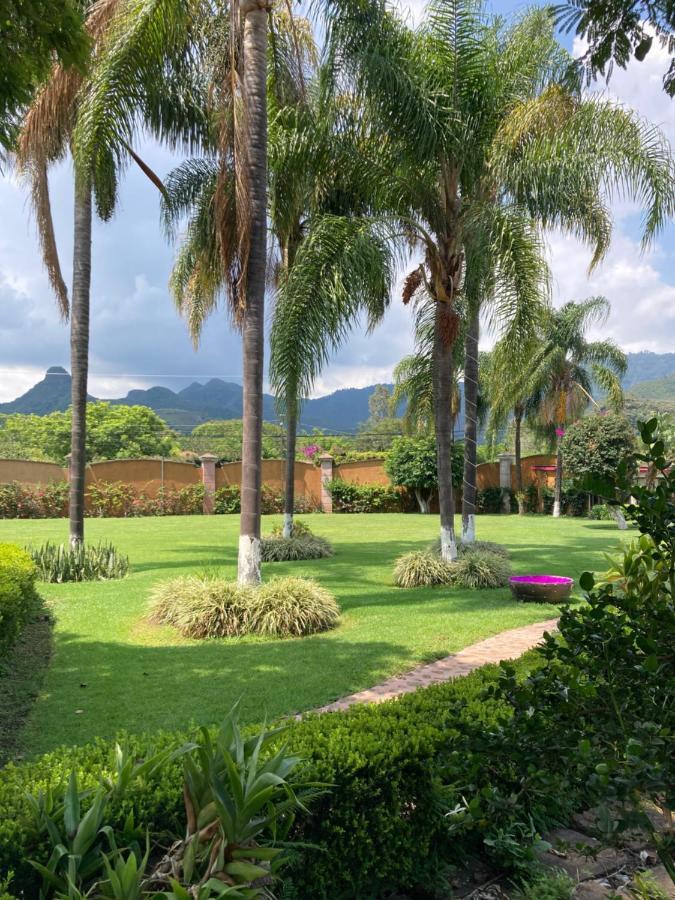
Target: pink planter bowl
x=541 y=588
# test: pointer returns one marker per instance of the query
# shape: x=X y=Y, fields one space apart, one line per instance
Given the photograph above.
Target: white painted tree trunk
x=248 y=570
x=288 y=525
x=619 y=518
x=448 y=544
x=469 y=529
x=556 y=509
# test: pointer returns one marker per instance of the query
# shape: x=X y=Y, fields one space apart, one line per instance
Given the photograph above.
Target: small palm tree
x=564 y=370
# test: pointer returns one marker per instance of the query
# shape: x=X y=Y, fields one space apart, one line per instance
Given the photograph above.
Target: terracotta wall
x=530 y=475
x=487 y=475
x=307 y=476
x=29 y=472
x=147 y=475
x=362 y=471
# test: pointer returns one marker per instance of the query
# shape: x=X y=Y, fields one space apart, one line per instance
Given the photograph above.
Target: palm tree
x=90 y=113
x=565 y=369
x=456 y=94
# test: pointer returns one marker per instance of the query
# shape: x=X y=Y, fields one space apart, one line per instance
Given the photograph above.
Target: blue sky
x=138 y=339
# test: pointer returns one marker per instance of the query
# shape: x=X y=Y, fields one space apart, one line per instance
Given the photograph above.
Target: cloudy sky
x=138 y=339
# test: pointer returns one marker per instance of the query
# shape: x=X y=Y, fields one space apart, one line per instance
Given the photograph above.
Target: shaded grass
x=142 y=677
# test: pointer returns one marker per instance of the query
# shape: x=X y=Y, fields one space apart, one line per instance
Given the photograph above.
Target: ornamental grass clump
x=421 y=569
x=291 y=607
x=281 y=549
x=201 y=606
x=83 y=562
x=481 y=569
x=205 y=606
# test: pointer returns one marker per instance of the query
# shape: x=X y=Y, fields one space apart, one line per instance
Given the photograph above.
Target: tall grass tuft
x=421 y=569
x=84 y=562
x=481 y=569
x=291 y=607
x=201 y=606
x=281 y=549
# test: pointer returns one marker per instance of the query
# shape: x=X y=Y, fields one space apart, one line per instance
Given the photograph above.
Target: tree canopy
x=596 y=445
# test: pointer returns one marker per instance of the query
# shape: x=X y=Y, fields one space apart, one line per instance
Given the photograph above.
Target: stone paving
x=507 y=645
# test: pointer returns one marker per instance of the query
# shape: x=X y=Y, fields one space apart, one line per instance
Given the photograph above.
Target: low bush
x=600 y=512
x=385 y=811
x=58 y=563
x=281 y=549
x=481 y=569
x=42 y=501
x=19 y=599
x=420 y=568
x=545 y=885
x=364 y=498
x=227 y=501
x=200 y=606
x=115 y=499
x=291 y=607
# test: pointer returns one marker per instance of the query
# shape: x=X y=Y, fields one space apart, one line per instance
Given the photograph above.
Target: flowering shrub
x=116 y=499
x=228 y=501
x=311 y=451
x=42 y=501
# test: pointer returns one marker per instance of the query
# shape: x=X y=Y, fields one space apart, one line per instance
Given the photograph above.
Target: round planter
x=541 y=588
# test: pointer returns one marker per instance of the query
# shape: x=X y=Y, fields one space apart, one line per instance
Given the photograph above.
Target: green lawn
x=112 y=671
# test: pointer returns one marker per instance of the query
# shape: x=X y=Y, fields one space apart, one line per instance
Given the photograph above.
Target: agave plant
x=240 y=805
x=79 y=562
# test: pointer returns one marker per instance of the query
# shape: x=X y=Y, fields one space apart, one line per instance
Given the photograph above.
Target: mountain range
x=197 y=403
x=650 y=377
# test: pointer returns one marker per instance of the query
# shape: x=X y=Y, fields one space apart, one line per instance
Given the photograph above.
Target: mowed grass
x=113 y=671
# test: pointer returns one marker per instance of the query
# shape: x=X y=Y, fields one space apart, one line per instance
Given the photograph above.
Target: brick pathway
x=507 y=645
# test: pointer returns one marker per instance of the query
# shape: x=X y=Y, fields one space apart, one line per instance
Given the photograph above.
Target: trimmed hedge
x=18 y=596
x=364 y=498
x=394 y=770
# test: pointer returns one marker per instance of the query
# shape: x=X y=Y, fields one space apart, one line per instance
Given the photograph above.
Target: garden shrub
x=42 y=501
x=115 y=499
x=57 y=563
x=420 y=568
x=281 y=549
x=291 y=607
x=19 y=599
x=227 y=500
x=364 y=498
x=384 y=812
x=601 y=513
x=200 y=606
x=476 y=568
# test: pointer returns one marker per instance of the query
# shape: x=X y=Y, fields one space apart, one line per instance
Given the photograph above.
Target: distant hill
x=650 y=378
x=646 y=366
x=197 y=403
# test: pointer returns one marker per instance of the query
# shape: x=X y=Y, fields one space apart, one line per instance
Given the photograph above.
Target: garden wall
x=149 y=476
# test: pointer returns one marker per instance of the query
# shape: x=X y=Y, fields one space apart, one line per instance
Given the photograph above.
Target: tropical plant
x=473 y=546
x=57 y=563
x=292 y=607
x=34 y=33
x=474 y=111
x=560 y=377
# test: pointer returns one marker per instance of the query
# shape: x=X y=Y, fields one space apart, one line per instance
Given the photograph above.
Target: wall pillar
x=326 y=463
x=209 y=481
x=506 y=460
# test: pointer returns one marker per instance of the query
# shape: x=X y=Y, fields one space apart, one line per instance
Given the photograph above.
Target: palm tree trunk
x=518 y=420
x=442 y=385
x=79 y=353
x=470 y=429
x=255 y=74
x=557 y=497
x=289 y=484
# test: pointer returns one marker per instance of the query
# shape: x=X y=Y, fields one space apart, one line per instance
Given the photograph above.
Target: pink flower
x=560 y=432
